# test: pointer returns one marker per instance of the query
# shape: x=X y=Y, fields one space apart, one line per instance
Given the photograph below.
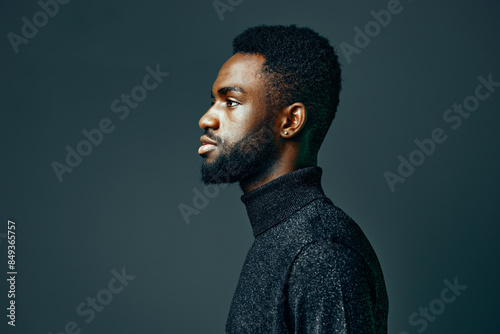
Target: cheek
x=236 y=129
x=240 y=122
x=229 y=141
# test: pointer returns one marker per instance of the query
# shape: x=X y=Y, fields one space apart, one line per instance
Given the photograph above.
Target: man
x=311 y=268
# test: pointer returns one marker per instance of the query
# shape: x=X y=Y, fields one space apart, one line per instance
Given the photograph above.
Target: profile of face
x=239 y=140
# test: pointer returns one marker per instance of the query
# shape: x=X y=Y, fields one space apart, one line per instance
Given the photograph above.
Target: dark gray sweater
x=310 y=269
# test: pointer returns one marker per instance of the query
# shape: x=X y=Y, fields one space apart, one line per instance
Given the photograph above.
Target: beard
x=255 y=153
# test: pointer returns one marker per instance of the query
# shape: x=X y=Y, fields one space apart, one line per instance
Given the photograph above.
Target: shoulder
x=337 y=235
x=329 y=261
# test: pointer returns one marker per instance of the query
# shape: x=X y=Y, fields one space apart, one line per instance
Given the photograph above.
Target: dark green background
x=119 y=208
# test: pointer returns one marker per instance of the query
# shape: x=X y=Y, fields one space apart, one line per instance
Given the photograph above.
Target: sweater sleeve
x=330 y=290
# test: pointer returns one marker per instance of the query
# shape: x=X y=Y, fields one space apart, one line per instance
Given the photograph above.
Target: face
x=239 y=139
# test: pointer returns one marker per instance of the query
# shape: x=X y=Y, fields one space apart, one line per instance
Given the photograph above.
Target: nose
x=209 y=120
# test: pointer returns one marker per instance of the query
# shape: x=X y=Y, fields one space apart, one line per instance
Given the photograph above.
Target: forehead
x=241 y=70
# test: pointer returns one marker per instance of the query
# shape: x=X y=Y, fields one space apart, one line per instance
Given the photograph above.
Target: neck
x=264 y=175
x=278 y=199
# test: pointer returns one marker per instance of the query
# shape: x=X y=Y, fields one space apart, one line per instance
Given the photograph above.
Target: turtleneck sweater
x=310 y=268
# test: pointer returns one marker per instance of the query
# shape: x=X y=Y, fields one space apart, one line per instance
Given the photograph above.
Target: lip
x=205 y=140
x=207 y=145
x=205 y=148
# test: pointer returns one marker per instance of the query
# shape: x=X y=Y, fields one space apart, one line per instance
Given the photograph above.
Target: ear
x=293 y=119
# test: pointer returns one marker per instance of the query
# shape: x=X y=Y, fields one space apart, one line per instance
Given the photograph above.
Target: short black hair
x=300 y=66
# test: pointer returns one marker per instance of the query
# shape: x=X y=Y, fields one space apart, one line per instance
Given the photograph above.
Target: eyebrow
x=225 y=90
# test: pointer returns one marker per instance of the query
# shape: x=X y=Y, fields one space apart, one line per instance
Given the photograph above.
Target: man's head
x=273 y=102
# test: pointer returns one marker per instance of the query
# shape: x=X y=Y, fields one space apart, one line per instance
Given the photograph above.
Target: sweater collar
x=276 y=200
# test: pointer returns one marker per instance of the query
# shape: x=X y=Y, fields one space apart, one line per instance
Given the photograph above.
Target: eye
x=231 y=103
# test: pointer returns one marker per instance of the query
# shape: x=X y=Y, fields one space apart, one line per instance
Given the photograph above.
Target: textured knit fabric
x=310 y=269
